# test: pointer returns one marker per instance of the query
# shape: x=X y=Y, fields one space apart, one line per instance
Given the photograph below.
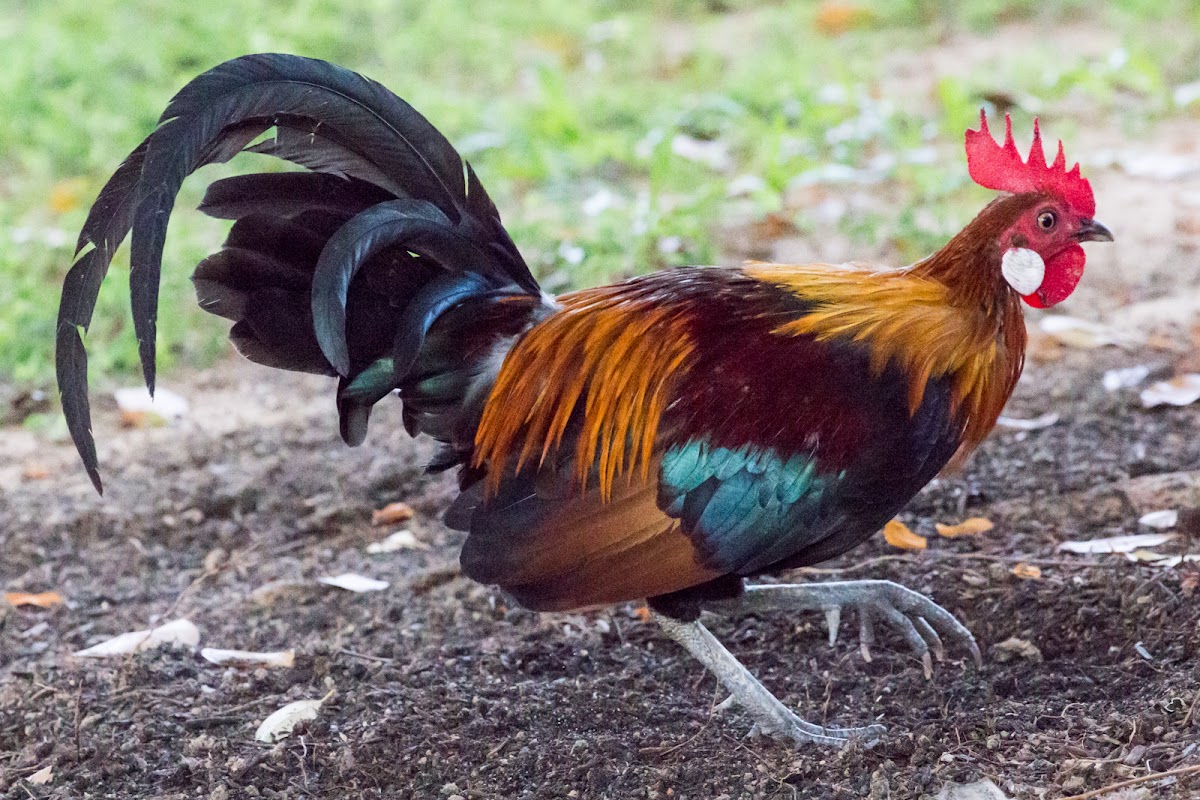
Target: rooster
x=661 y=438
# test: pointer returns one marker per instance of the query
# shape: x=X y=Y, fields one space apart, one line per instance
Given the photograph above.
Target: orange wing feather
x=915 y=322
x=591 y=552
x=611 y=353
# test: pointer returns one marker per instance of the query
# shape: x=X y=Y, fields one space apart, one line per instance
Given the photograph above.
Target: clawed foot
x=801 y=731
x=771 y=717
x=923 y=623
x=791 y=726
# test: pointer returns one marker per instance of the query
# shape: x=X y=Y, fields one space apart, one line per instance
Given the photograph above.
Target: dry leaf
x=772 y=226
x=279 y=725
x=1160 y=520
x=1027 y=572
x=897 y=534
x=48 y=236
x=1159 y=319
x=1044 y=349
x=1166 y=342
x=66 y=195
x=392 y=514
x=1079 y=332
x=400 y=540
x=214 y=558
x=1170 y=562
x=1117 y=544
x=1141 y=554
x=561 y=45
x=1181 y=391
x=1035 y=424
x=180 y=632
x=42 y=776
x=354 y=583
x=35 y=472
x=270 y=593
x=284 y=658
x=1013 y=647
x=139 y=409
x=41 y=600
x=1186 y=93
x=836 y=18
x=1126 y=378
x=713 y=154
x=968 y=527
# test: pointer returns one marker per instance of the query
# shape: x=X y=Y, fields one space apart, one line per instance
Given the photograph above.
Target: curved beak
x=1093 y=231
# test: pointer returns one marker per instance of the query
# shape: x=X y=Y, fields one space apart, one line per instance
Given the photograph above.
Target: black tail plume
x=376 y=164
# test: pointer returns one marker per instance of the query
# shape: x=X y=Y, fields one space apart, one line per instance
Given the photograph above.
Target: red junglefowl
x=664 y=437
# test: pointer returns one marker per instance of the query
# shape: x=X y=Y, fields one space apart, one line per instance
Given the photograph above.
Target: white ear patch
x=1023 y=269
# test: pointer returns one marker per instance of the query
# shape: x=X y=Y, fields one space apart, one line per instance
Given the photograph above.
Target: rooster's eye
x=1047 y=220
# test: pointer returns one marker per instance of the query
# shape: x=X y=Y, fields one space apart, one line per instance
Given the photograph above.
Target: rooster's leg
x=772 y=716
x=922 y=622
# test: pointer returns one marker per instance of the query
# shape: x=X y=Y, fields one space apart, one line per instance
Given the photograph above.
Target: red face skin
x=1053 y=231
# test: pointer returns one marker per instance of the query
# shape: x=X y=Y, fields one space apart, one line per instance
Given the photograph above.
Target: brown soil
x=439 y=681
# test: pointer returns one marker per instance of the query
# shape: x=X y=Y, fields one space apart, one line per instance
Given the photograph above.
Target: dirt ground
x=438 y=681
x=438 y=687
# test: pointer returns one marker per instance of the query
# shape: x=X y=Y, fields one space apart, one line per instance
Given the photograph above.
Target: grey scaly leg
x=922 y=622
x=772 y=716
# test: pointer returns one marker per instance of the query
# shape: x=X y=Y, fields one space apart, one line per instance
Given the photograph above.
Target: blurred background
x=619 y=136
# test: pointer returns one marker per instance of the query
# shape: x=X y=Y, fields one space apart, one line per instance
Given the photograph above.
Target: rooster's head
x=1041 y=257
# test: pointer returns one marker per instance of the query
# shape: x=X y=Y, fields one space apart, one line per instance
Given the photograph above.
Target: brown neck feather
x=951 y=314
x=969 y=267
x=969 y=264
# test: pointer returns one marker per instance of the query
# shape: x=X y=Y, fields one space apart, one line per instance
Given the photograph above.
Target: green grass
x=569 y=115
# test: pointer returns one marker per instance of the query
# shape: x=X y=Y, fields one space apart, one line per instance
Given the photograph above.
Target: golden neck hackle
x=950 y=315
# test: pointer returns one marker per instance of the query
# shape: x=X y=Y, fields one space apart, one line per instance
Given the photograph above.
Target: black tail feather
x=105 y=228
x=293 y=243
x=276 y=331
x=304 y=147
x=286 y=194
x=384 y=183
x=416 y=225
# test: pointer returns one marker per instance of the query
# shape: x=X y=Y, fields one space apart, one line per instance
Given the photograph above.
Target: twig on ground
x=1191 y=710
x=367 y=657
x=495 y=751
x=1171 y=773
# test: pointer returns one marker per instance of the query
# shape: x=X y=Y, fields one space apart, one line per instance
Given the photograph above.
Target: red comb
x=1001 y=167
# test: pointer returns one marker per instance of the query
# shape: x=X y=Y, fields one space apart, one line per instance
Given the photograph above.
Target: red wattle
x=1063 y=272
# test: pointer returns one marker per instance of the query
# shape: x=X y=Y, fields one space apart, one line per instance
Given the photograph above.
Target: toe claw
x=866 y=635
x=931 y=636
x=833 y=617
x=927 y=666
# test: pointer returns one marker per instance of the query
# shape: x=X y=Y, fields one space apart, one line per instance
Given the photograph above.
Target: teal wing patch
x=747 y=507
